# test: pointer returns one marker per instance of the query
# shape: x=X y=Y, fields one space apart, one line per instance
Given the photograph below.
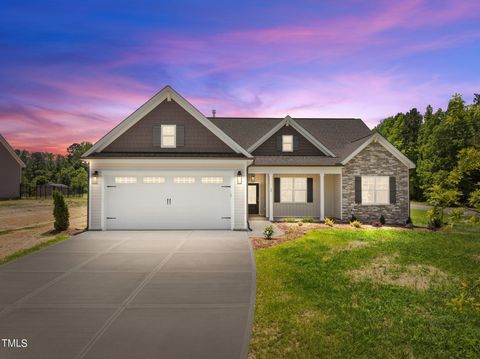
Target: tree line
x=445 y=146
x=44 y=167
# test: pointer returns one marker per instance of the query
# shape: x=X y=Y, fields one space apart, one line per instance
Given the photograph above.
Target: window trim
x=293 y=190
x=375 y=190
x=284 y=137
x=162 y=135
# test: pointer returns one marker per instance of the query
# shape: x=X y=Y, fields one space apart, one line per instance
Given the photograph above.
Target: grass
x=310 y=305
x=419 y=217
x=58 y=238
x=13 y=203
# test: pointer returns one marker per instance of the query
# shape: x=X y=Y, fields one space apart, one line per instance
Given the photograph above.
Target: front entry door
x=253 y=198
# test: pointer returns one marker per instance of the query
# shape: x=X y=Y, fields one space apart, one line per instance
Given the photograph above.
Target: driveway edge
x=251 y=311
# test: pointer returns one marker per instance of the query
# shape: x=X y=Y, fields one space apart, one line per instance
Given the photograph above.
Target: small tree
x=440 y=197
x=60 y=212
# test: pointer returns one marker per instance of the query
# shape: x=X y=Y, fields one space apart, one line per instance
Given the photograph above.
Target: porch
x=298 y=192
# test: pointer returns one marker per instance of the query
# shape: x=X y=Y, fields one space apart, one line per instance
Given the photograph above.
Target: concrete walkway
x=171 y=294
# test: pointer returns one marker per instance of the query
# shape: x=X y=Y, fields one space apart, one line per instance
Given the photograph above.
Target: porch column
x=322 y=196
x=270 y=196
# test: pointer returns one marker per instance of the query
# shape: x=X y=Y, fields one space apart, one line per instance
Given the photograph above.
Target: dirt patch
x=26 y=223
x=476 y=257
x=354 y=245
x=383 y=270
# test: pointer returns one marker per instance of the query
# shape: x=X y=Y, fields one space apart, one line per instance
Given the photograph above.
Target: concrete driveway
x=155 y=294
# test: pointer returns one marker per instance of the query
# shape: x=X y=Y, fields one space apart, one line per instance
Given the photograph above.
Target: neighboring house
x=10 y=171
x=167 y=166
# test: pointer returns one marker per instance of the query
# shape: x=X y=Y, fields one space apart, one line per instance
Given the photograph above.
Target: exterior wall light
x=252 y=178
x=95 y=177
x=239 y=177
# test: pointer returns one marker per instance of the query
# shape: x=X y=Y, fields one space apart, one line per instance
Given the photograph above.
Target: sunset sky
x=70 y=71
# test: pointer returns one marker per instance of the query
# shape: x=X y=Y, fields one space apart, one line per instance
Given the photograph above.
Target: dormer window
x=169 y=136
x=287 y=143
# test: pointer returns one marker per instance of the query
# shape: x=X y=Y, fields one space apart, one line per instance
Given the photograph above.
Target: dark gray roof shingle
x=340 y=135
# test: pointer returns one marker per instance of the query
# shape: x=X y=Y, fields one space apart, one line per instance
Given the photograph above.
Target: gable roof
x=167 y=93
x=376 y=137
x=12 y=152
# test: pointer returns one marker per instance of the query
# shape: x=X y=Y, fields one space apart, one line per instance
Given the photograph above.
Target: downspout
x=88 y=197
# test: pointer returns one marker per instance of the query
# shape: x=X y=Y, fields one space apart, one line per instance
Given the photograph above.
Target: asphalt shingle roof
x=340 y=135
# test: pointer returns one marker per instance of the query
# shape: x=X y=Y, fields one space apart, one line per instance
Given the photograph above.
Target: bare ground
x=384 y=270
x=26 y=223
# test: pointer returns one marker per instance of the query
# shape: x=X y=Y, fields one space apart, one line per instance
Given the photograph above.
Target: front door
x=253 y=198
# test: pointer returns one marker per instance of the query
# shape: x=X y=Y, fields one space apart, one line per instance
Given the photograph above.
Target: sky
x=71 y=70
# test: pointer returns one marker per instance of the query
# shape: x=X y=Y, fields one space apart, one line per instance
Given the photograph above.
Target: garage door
x=168 y=201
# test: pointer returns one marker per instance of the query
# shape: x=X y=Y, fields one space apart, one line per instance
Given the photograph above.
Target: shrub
x=268 y=232
x=382 y=220
x=434 y=216
x=308 y=220
x=473 y=220
x=290 y=220
x=456 y=215
x=300 y=224
x=356 y=224
x=353 y=218
x=60 y=212
x=376 y=224
x=329 y=222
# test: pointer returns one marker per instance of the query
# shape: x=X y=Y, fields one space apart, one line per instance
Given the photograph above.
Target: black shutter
x=358 y=189
x=393 y=190
x=279 y=143
x=180 y=136
x=157 y=135
x=309 y=190
x=296 y=141
x=276 y=189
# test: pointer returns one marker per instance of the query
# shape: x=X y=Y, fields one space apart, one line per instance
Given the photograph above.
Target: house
x=167 y=166
x=10 y=171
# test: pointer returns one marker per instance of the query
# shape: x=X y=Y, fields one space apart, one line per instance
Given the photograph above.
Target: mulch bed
x=293 y=231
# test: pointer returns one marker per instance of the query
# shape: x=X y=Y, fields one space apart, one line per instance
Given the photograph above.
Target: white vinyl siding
x=375 y=190
x=169 y=136
x=293 y=190
x=287 y=143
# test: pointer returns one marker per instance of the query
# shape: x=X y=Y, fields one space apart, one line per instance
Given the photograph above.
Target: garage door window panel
x=125 y=180
x=184 y=180
x=153 y=180
x=212 y=180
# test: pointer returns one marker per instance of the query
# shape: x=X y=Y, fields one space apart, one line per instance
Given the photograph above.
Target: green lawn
x=367 y=294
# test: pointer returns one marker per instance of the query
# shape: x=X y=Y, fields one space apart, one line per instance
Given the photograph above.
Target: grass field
x=368 y=294
x=27 y=223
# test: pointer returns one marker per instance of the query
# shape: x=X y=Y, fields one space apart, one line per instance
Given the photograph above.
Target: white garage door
x=164 y=200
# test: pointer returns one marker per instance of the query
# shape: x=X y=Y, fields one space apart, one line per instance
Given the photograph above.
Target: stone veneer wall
x=375 y=160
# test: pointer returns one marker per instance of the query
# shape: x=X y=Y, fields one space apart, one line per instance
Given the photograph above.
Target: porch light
x=252 y=178
x=95 y=177
x=239 y=177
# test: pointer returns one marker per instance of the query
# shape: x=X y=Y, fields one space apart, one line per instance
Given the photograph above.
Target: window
x=293 y=189
x=184 y=180
x=169 y=136
x=375 y=190
x=153 y=180
x=287 y=143
x=125 y=180
x=212 y=180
